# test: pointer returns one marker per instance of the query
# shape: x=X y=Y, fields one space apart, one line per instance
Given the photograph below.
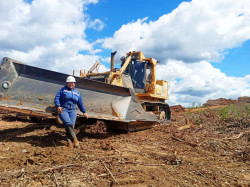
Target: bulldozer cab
x=140 y=73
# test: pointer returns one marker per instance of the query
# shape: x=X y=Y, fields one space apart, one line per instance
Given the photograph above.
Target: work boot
x=70 y=144
x=76 y=143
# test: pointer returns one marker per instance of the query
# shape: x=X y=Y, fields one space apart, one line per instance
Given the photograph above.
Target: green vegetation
x=247 y=108
x=196 y=119
x=233 y=111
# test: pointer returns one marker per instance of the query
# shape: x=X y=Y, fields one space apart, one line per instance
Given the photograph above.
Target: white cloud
x=47 y=33
x=195 y=31
x=97 y=24
x=185 y=41
x=198 y=82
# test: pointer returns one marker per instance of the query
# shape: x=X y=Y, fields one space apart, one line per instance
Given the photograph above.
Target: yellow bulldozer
x=129 y=98
x=139 y=73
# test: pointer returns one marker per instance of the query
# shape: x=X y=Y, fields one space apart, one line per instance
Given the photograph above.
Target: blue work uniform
x=68 y=99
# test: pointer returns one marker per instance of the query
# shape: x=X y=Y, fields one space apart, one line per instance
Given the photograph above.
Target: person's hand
x=85 y=115
x=59 y=110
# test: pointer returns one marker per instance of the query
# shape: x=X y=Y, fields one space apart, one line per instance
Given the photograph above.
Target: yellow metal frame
x=155 y=91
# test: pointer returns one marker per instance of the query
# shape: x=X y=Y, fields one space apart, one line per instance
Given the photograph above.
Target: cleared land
x=208 y=147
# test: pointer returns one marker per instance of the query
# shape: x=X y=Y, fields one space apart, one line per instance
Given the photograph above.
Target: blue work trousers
x=68 y=117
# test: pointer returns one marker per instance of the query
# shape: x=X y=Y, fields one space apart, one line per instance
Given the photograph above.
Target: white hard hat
x=70 y=79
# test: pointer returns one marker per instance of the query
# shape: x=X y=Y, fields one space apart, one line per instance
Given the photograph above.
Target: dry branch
x=109 y=172
x=55 y=179
x=59 y=167
x=235 y=137
x=3 y=157
x=120 y=173
x=180 y=140
x=141 y=163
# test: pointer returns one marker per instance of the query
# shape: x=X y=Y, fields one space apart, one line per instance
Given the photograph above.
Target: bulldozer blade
x=31 y=91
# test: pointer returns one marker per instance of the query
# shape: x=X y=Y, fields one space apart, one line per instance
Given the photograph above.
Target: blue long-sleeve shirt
x=68 y=98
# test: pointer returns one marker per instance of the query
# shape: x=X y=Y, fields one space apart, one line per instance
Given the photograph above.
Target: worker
x=65 y=100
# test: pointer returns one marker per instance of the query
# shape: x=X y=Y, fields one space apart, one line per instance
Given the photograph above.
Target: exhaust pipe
x=112 y=66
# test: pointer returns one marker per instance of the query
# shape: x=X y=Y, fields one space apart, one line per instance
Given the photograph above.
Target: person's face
x=71 y=85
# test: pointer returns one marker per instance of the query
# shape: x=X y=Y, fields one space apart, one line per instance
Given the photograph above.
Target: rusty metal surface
x=31 y=90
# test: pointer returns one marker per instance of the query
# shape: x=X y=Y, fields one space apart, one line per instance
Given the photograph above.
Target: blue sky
x=203 y=45
x=116 y=13
x=236 y=61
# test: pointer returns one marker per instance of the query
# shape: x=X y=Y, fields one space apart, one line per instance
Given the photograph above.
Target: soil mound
x=244 y=99
x=221 y=101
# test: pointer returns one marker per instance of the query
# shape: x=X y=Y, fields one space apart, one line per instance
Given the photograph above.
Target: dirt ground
x=208 y=147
